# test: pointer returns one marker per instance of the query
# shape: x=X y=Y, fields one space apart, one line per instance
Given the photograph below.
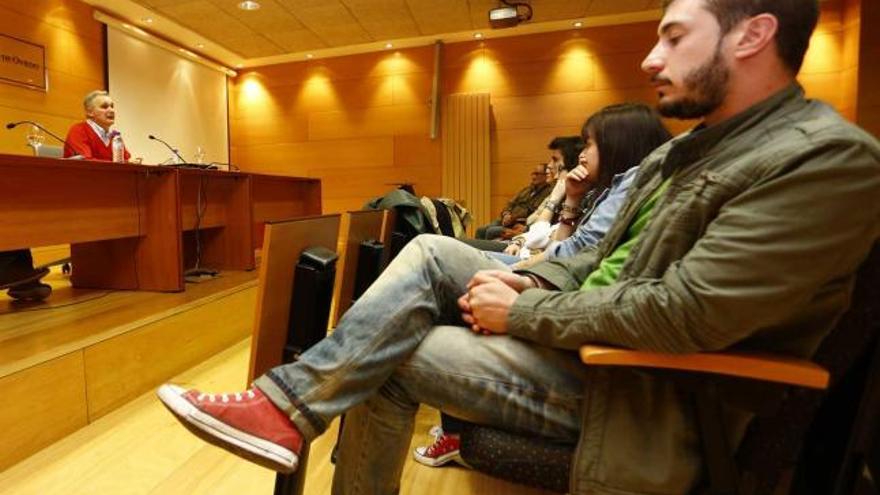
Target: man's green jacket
x=754 y=245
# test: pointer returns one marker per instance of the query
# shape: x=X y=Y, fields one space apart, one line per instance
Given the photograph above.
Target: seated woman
x=622 y=135
x=617 y=139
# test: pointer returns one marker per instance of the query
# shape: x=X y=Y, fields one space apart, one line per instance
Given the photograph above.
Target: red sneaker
x=246 y=424
x=445 y=449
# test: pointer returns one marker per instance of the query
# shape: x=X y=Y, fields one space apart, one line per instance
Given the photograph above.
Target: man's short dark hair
x=570 y=147
x=797 y=20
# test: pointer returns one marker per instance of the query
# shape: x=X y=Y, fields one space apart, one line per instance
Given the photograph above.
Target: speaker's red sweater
x=82 y=140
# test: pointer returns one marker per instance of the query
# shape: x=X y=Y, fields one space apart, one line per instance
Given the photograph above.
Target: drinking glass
x=35 y=137
x=199 y=155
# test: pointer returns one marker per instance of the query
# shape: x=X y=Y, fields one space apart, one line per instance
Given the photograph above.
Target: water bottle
x=118 y=148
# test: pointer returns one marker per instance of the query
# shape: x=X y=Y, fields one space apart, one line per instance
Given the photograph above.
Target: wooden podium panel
x=116 y=217
x=284 y=241
x=220 y=203
x=148 y=261
x=45 y=201
x=132 y=226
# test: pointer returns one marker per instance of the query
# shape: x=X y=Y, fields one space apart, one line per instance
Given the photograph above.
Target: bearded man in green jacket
x=744 y=232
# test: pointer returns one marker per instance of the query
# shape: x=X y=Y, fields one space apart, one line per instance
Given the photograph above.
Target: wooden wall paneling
x=282 y=198
x=49 y=403
x=417 y=151
x=119 y=369
x=298 y=158
x=373 y=182
x=370 y=122
x=258 y=129
x=60 y=14
x=74 y=58
x=620 y=70
x=283 y=243
x=561 y=110
x=362 y=226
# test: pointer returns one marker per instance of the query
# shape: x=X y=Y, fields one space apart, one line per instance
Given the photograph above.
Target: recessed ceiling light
x=249 y=5
x=478 y=36
x=388 y=46
x=578 y=24
x=147 y=20
x=309 y=55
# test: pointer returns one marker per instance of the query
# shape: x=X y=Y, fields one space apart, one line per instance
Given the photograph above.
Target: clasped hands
x=489 y=297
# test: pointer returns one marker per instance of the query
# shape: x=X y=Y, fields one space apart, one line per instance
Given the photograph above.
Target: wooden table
x=133 y=226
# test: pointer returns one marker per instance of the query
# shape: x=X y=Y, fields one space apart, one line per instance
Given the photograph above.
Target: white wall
x=165 y=94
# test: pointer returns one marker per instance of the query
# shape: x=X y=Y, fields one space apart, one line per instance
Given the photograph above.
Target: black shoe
x=16 y=277
x=30 y=291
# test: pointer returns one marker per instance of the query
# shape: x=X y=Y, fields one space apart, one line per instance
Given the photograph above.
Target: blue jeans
x=402 y=344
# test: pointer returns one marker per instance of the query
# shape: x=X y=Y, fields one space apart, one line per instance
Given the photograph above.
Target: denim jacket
x=754 y=245
x=597 y=221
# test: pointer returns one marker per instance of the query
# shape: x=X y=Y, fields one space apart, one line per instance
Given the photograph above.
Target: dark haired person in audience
x=621 y=135
x=618 y=138
x=92 y=138
x=563 y=150
x=569 y=149
x=19 y=277
x=520 y=207
x=746 y=231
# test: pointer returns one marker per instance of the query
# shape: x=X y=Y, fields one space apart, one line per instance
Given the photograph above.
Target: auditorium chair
x=293 y=297
x=809 y=435
x=368 y=232
x=292 y=249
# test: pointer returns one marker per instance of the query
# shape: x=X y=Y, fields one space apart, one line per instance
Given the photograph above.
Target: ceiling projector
x=508 y=15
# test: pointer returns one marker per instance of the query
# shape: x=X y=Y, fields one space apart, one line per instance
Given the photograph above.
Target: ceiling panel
x=271 y=16
x=433 y=17
x=330 y=20
x=606 y=7
x=253 y=46
x=291 y=26
x=560 y=10
x=384 y=19
x=300 y=40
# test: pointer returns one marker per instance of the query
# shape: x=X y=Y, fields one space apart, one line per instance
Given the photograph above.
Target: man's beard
x=707 y=86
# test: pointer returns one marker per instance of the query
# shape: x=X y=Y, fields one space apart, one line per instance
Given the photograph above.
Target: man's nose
x=655 y=61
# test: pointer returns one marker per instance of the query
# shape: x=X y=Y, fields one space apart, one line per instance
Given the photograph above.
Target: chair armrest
x=756 y=366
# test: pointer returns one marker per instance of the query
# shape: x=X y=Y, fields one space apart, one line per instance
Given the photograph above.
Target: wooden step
x=84 y=353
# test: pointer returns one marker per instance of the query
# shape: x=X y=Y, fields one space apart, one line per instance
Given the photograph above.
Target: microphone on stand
x=13 y=125
x=168 y=146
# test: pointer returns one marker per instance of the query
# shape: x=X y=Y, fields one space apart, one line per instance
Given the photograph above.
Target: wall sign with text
x=23 y=63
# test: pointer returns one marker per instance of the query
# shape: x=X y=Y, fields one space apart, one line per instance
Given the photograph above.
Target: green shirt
x=609 y=268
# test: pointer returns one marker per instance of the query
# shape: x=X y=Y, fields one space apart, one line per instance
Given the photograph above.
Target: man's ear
x=755 y=34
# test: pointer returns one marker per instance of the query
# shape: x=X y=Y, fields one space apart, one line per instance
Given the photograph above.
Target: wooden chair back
x=282 y=244
x=362 y=225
